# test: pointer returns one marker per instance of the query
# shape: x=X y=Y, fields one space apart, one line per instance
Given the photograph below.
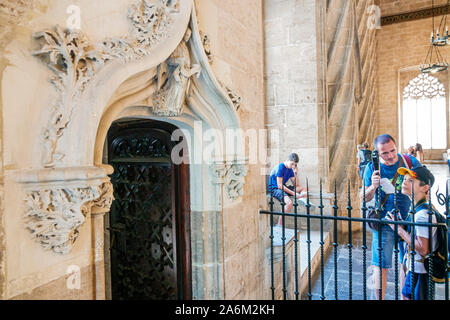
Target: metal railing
x=364 y=220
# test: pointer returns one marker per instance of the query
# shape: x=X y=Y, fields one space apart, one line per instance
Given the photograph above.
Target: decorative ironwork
x=143 y=217
x=333 y=241
x=424 y=86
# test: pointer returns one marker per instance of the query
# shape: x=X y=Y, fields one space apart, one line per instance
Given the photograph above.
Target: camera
x=375 y=160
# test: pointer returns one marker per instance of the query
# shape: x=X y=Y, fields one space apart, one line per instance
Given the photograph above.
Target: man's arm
x=282 y=187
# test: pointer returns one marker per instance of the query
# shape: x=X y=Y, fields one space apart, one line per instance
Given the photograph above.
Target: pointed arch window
x=424 y=113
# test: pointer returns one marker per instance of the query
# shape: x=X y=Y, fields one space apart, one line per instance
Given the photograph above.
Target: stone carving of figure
x=173 y=80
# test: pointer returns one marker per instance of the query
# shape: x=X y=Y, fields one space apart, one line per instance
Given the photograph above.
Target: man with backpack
x=376 y=184
x=418 y=180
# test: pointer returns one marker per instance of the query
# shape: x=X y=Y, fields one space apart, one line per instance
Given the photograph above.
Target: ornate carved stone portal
x=74 y=61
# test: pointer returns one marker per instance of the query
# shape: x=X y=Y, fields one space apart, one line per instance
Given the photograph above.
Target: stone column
x=98 y=210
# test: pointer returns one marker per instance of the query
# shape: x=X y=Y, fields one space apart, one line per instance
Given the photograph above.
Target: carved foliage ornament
x=231 y=174
x=54 y=215
x=74 y=60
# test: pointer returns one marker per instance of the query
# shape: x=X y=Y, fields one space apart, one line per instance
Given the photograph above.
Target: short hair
x=293 y=157
x=365 y=145
x=382 y=139
x=419 y=147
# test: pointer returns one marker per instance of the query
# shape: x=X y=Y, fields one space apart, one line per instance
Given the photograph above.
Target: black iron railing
x=350 y=245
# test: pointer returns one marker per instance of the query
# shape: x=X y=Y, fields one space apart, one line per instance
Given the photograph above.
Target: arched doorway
x=148 y=223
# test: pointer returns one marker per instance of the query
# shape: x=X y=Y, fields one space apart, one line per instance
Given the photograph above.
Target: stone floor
x=357 y=278
x=441 y=173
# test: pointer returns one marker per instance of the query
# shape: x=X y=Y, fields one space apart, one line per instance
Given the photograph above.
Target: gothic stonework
x=74 y=61
x=232 y=175
x=103 y=203
x=54 y=215
x=66 y=54
x=235 y=98
x=207 y=46
x=173 y=81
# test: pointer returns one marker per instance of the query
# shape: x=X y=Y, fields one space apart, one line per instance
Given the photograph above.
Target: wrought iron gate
x=147 y=226
x=333 y=217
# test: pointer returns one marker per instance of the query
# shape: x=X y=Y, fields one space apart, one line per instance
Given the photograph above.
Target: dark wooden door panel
x=149 y=218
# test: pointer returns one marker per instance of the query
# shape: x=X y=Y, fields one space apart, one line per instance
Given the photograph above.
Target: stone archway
x=214 y=184
x=61 y=192
x=133 y=77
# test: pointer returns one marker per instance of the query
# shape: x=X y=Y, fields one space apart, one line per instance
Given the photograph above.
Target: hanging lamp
x=437 y=64
x=441 y=38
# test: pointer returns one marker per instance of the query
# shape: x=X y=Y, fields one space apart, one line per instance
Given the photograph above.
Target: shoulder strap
x=394 y=180
x=407 y=160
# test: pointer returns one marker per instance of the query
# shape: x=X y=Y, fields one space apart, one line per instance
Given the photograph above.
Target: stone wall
x=240 y=235
x=320 y=73
x=294 y=72
x=235 y=31
x=401 y=48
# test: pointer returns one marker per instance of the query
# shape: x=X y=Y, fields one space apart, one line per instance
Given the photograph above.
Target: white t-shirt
x=422 y=231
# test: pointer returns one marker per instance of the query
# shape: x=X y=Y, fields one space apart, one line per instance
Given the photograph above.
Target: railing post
x=430 y=249
x=447 y=220
x=335 y=242
x=412 y=252
x=296 y=292
x=272 y=288
x=349 y=245
x=396 y=249
x=364 y=245
x=308 y=241
x=380 y=248
x=322 y=276
x=283 y=242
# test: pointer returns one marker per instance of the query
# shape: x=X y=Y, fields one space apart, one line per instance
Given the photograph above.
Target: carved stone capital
x=103 y=203
x=54 y=215
x=57 y=203
x=231 y=174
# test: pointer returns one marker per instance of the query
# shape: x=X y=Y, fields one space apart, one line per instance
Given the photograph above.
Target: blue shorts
x=278 y=193
x=387 y=244
x=420 y=285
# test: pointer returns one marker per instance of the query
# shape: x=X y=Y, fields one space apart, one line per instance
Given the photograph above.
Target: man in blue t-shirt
x=390 y=161
x=279 y=176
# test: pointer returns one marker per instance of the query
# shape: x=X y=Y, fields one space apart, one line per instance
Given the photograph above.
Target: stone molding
x=415 y=15
x=74 y=61
x=231 y=174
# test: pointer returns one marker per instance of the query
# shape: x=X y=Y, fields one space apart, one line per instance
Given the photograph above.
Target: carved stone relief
x=235 y=98
x=53 y=215
x=231 y=175
x=173 y=80
x=103 y=203
x=207 y=46
x=74 y=60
